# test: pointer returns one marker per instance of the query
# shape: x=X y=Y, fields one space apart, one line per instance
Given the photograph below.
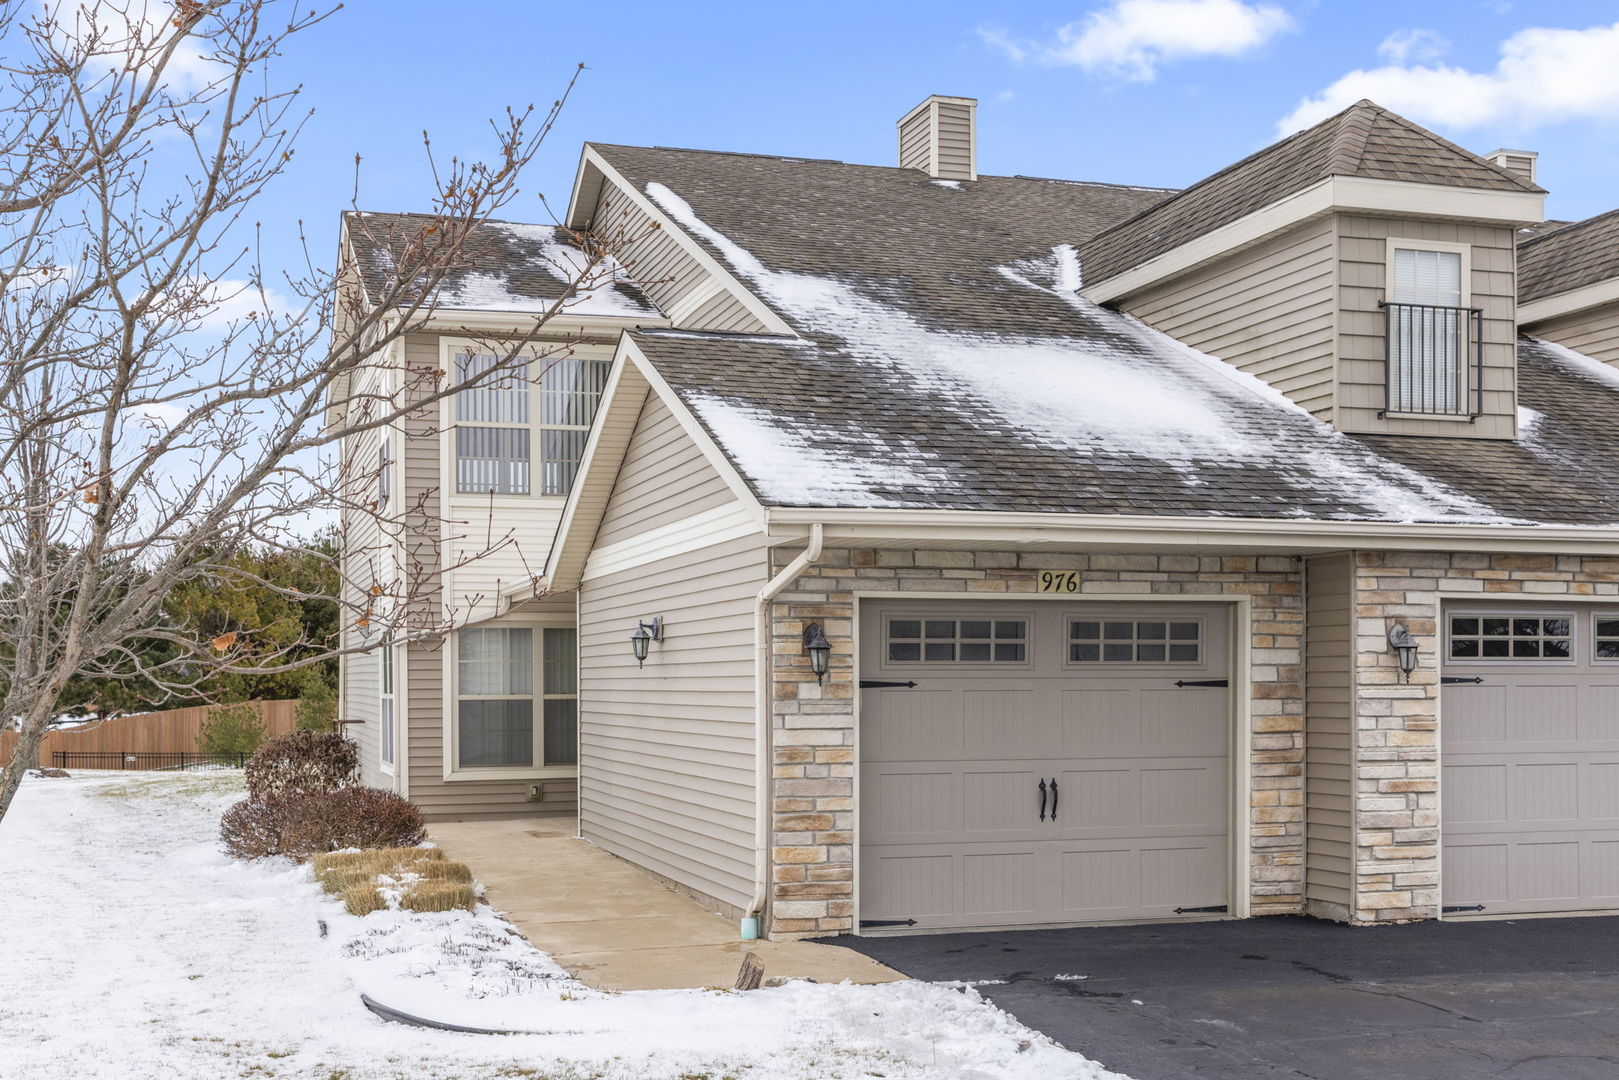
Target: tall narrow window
x=570 y=389
x=492 y=438
x=496 y=691
x=385 y=701
x=385 y=470
x=1428 y=332
x=560 y=683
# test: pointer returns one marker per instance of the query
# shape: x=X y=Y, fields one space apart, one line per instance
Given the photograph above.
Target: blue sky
x=1157 y=92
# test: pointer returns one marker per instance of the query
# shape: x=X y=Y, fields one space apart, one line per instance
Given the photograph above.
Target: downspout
x=764 y=695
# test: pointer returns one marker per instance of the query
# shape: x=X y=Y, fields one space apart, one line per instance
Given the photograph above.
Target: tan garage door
x=1529 y=745
x=1045 y=767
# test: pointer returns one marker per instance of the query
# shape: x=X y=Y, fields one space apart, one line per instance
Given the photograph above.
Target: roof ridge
x=1351 y=139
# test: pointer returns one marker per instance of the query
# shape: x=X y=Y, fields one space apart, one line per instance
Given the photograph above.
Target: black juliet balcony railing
x=1433 y=360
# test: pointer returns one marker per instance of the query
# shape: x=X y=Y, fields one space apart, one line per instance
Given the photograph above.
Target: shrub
x=302 y=762
x=317 y=706
x=259 y=828
x=304 y=825
x=356 y=817
x=232 y=729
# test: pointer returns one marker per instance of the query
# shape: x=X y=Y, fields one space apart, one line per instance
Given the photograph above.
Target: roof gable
x=1364 y=141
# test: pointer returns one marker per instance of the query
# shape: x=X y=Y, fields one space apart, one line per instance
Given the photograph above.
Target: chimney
x=940 y=137
x=1518 y=162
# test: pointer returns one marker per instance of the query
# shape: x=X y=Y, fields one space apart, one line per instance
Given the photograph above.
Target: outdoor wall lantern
x=645 y=634
x=819 y=649
x=1405 y=647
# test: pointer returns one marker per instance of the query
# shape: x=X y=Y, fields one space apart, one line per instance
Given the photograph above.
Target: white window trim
x=1466 y=252
x=387 y=660
x=538 y=352
x=453 y=770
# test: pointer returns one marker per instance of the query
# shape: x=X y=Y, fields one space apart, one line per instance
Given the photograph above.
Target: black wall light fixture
x=819 y=650
x=645 y=634
x=1405 y=648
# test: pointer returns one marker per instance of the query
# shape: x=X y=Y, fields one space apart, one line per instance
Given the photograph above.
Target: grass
x=432 y=882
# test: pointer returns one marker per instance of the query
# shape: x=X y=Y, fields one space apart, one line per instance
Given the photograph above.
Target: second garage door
x=1052 y=763
x=1529 y=745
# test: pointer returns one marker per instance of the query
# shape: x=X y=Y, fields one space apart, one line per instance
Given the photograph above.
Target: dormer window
x=1433 y=336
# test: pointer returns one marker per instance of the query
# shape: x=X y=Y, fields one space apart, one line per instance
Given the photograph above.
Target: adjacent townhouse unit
x=905 y=548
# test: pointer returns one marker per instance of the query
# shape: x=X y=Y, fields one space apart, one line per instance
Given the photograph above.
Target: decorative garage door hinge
x=887 y=922
x=1210 y=910
x=1447 y=909
x=1202 y=682
x=1451 y=680
x=878 y=684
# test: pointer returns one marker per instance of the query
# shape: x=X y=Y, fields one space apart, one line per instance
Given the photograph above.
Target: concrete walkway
x=615 y=927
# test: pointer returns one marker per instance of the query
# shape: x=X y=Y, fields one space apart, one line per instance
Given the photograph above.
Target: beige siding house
x=909 y=549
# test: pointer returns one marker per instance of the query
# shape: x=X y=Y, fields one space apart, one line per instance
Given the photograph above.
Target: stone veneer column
x=813 y=726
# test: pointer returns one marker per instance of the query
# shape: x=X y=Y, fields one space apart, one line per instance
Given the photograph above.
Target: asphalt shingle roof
x=1364 y=140
x=1571 y=257
x=948 y=363
x=505 y=266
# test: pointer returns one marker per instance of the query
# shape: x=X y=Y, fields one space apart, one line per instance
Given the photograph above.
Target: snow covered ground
x=130 y=947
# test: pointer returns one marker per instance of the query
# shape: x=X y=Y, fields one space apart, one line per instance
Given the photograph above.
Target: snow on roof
x=1125 y=390
x=595 y=295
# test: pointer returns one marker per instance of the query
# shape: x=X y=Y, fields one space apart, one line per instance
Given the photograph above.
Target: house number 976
x=1058 y=581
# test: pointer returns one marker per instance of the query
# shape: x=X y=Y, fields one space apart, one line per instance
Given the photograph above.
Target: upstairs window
x=385 y=471
x=522 y=431
x=1432 y=335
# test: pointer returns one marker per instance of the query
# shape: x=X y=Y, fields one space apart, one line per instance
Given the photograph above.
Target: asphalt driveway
x=1536 y=999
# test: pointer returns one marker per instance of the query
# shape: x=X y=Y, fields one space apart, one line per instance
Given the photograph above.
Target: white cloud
x=1544 y=76
x=1403 y=46
x=1131 y=38
x=130 y=34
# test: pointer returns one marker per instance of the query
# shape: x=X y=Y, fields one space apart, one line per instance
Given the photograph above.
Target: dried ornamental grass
x=439 y=896
x=362 y=898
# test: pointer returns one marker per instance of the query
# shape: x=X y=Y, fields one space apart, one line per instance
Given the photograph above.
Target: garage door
x=1046 y=763
x=1529 y=744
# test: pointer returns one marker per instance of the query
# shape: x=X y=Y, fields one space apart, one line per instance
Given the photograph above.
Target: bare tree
x=164 y=403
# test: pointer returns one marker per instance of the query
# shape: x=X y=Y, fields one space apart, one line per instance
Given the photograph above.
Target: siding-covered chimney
x=1521 y=162
x=940 y=137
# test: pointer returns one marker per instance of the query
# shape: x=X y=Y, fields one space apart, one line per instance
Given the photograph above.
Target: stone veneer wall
x=813 y=864
x=1397 y=833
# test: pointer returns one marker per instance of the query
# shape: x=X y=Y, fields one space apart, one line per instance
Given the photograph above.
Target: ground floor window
x=385 y=701
x=505 y=718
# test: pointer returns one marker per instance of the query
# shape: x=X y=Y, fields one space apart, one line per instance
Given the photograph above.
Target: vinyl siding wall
x=664 y=479
x=1594 y=332
x=1329 y=736
x=420 y=678
x=666 y=271
x=667 y=751
x=1267 y=309
x=955 y=141
x=1363 y=279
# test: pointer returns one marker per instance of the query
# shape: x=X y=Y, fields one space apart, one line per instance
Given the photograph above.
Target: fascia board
x=1567 y=303
x=1020 y=529
x=1349 y=194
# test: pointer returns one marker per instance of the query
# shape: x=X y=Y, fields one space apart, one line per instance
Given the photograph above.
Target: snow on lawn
x=134 y=949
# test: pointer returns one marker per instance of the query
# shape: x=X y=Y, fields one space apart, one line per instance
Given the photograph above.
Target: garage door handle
x=1042 y=800
x=1054 y=798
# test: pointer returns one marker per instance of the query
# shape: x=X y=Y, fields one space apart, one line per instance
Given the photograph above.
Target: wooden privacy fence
x=171 y=732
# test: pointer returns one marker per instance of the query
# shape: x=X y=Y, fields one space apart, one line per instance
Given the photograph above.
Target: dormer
x=1364 y=267
x=1568 y=286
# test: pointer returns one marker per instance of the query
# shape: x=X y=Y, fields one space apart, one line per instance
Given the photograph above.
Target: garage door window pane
x=1519 y=637
x=1141 y=641
x=969 y=641
x=1607 y=639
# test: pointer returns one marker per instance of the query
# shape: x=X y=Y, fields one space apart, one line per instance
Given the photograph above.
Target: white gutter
x=762 y=748
x=1112 y=531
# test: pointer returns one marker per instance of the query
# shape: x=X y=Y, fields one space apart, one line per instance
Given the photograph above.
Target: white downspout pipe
x=764 y=693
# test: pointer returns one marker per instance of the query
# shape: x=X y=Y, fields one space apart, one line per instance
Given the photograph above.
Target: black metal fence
x=1433 y=360
x=145 y=760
